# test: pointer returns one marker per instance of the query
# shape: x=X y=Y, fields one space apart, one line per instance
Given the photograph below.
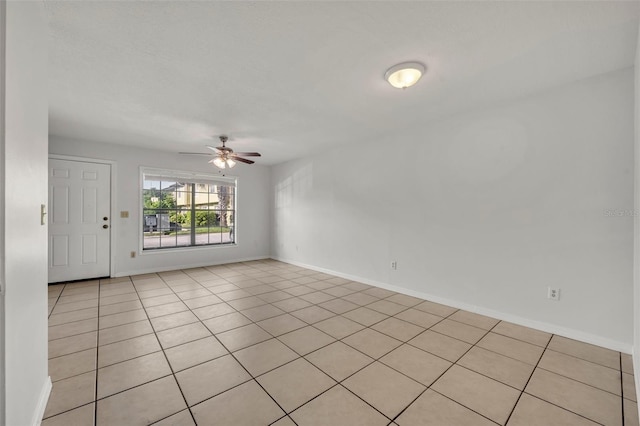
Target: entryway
x=79 y=220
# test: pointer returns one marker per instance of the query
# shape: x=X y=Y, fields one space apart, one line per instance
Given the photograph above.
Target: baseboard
x=42 y=402
x=526 y=322
x=636 y=370
x=189 y=266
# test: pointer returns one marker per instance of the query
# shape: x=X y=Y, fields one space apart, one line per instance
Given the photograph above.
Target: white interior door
x=79 y=220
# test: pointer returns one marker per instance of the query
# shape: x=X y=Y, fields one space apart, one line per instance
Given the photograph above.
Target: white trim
x=3 y=66
x=112 y=201
x=114 y=217
x=636 y=376
x=189 y=266
x=190 y=177
x=140 y=212
x=180 y=249
x=38 y=414
x=538 y=325
x=81 y=159
x=636 y=224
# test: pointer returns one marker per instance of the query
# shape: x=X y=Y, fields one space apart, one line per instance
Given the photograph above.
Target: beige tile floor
x=264 y=342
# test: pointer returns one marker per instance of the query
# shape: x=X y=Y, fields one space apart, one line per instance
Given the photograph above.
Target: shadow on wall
x=295 y=186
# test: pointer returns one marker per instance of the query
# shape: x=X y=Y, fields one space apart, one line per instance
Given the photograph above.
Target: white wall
x=484 y=210
x=24 y=241
x=252 y=223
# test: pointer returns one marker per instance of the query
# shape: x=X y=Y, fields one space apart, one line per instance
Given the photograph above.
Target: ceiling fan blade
x=248 y=154
x=243 y=160
x=195 y=153
x=215 y=148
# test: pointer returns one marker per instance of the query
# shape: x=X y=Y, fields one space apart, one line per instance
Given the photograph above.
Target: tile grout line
x=72 y=336
x=367 y=365
x=97 y=347
x=222 y=301
x=56 y=302
x=230 y=353
x=73 y=408
x=578 y=357
x=561 y=407
x=581 y=382
x=95 y=394
x=252 y=377
x=462 y=405
x=314 y=326
x=621 y=387
x=308 y=325
x=173 y=374
x=279 y=419
x=237 y=311
x=533 y=371
x=61 y=303
x=348 y=390
x=529 y=379
x=536 y=366
x=507 y=356
x=57 y=298
x=97 y=330
x=70 y=322
x=444 y=372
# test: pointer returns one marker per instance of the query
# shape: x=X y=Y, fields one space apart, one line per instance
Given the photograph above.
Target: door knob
x=105 y=226
x=105 y=218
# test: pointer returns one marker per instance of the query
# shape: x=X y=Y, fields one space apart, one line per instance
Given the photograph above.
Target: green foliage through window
x=187 y=212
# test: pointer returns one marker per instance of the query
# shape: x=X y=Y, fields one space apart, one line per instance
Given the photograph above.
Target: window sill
x=145 y=252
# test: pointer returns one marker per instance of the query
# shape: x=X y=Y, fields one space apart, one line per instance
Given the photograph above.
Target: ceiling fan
x=225 y=157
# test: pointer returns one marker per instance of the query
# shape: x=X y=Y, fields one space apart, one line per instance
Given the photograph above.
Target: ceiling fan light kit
x=225 y=157
x=223 y=163
x=405 y=74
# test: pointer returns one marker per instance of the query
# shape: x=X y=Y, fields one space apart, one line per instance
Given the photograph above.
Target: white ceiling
x=289 y=78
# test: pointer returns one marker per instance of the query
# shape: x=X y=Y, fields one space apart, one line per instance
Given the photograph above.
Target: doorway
x=79 y=220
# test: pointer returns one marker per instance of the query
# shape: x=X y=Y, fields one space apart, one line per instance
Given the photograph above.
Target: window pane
x=180 y=214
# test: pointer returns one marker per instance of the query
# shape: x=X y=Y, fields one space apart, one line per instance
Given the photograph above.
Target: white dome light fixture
x=405 y=74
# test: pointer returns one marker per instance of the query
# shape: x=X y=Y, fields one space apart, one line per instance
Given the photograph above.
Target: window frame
x=192 y=178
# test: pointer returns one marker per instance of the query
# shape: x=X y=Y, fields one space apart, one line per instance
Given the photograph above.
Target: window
x=181 y=209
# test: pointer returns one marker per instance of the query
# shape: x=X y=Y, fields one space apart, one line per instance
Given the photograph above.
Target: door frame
x=3 y=66
x=112 y=200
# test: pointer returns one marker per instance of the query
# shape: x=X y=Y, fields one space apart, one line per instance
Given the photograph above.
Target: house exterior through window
x=182 y=209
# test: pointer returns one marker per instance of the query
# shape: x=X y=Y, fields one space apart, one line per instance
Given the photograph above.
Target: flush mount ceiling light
x=405 y=74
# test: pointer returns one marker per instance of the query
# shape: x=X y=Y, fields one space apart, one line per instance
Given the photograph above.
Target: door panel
x=59 y=250
x=89 y=205
x=79 y=200
x=89 y=249
x=60 y=206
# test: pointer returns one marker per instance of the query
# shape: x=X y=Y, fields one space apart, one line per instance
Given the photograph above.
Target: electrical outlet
x=394 y=265
x=133 y=254
x=553 y=293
